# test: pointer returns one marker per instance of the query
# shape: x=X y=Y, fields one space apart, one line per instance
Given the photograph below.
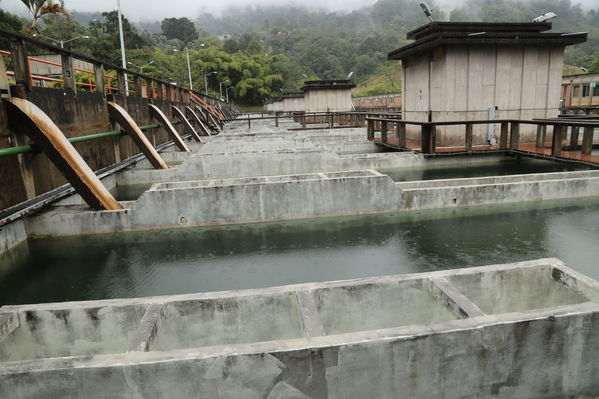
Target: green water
x=262 y=255
x=513 y=166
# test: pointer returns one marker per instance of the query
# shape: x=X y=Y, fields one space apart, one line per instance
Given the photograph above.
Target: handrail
x=24 y=149
x=542 y=122
x=58 y=50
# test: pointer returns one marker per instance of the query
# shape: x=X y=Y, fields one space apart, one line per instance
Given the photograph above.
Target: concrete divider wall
x=274 y=162
x=547 y=347
x=23 y=178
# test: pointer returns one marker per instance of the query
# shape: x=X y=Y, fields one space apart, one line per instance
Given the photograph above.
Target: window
x=576 y=91
x=596 y=90
x=586 y=90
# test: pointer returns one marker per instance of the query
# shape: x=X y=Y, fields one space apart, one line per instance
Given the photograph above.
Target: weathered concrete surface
x=225 y=201
x=547 y=349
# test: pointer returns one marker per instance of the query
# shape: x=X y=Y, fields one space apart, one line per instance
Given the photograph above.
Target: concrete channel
x=524 y=325
x=529 y=328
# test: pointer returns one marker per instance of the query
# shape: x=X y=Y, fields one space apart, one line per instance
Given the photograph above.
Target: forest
x=260 y=52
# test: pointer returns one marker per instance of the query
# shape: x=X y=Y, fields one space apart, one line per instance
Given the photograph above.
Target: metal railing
x=509 y=137
x=98 y=80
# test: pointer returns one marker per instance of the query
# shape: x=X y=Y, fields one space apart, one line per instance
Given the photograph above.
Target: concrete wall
x=323 y=100
x=440 y=344
x=293 y=104
x=461 y=83
x=392 y=100
x=26 y=176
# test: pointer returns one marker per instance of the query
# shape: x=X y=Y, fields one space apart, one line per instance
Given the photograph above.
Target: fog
x=151 y=10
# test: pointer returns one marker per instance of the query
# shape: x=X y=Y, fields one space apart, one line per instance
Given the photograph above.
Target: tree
x=40 y=8
x=9 y=21
x=105 y=43
x=179 y=28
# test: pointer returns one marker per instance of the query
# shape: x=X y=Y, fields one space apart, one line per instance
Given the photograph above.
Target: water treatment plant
x=156 y=241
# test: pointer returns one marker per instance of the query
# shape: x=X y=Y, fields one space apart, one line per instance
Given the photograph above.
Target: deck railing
x=509 y=134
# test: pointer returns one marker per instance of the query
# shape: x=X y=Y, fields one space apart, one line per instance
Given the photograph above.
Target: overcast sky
x=151 y=10
x=159 y=9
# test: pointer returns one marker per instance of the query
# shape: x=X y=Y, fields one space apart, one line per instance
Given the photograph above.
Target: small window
x=596 y=90
x=576 y=91
x=586 y=90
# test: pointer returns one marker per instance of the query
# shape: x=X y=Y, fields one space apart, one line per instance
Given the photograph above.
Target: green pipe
x=23 y=149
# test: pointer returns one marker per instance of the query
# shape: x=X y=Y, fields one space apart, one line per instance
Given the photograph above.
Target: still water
x=513 y=166
x=262 y=255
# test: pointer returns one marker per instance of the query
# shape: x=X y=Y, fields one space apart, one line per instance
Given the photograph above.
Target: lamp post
x=61 y=42
x=122 y=40
x=206 y=80
x=189 y=70
x=227 y=91
x=141 y=68
x=220 y=84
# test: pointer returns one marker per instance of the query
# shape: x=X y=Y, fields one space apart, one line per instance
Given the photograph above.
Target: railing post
x=159 y=91
x=370 y=130
x=514 y=134
x=21 y=67
x=121 y=82
x=384 y=131
x=68 y=73
x=331 y=120
x=99 y=78
x=136 y=86
x=304 y=122
x=468 y=138
x=541 y=134
x=277 y=119
x=249 y=122
x=503 y=136
x=587 y=140
x=150 y=88
x=428 y=133
x=558 y=137
x=575 y=133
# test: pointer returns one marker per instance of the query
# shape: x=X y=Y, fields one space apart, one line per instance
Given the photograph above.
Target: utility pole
x=122 y=38
x=189 y=70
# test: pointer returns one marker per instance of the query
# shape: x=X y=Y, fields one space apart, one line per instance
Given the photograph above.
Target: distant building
x=327 y=95
x=472 y=71
x=293 y=102
x=580 y=90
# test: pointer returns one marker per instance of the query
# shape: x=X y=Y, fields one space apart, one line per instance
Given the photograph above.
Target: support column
x=514 y=135
x=468 y=138
x=541 y=134
x=574 y=135
x=428 y=134
x=558 y=137
x=587 y=140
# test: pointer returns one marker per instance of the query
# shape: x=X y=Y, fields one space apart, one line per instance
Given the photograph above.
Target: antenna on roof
x=350 y=75
x=427 y=11
x=545 y=17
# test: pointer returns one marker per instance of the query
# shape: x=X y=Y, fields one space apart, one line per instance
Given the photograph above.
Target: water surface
x=262 y=255
x=515 y=166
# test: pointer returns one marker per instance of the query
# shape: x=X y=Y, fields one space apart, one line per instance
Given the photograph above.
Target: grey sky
x=159 y=9
x=151 y=10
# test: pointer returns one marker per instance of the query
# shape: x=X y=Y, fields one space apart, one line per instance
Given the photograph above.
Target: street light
x=141 y=68
x=188 y=67
x=220 y=84
x=122 y=40
x=227 y=91
x=62 y=42
x=206 y=80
